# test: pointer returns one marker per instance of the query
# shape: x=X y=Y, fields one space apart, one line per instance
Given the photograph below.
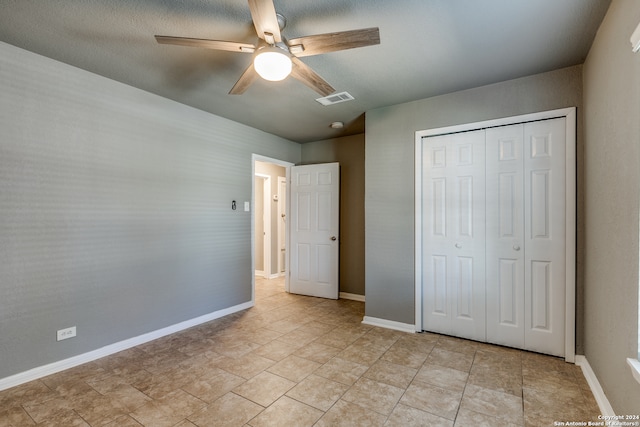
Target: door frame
x=283 y=212
x=266 y=224
x=570 y=215
x=287 y=166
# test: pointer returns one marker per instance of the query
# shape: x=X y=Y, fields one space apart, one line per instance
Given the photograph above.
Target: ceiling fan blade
x=331 y=42
x=263 y=13
x=306 y=75
x=208 y=44
x=245 y=80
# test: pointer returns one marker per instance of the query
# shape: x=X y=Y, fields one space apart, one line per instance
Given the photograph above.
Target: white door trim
x=570 y=174
x=266 y=226
x=282 y=223
x=287 y=165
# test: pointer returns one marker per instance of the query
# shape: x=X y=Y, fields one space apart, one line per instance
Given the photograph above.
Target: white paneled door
x=314 y=248
x=494 y=235
x=454 y=235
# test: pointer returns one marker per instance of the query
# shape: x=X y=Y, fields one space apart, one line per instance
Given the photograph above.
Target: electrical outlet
x=67 y=333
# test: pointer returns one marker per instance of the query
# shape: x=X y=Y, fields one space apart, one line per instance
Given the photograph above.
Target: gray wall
x=389 y=172
x=612 y=174
x=274 y=171
x=115 y=210
x=349 y=152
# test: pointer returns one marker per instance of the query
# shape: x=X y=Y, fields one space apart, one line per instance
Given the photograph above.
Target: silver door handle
x=516 y=247
x=333 y=237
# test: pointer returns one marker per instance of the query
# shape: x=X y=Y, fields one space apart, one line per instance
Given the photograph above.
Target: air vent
x=335 y=98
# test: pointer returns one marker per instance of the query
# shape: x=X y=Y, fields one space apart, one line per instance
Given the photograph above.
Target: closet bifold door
x=545 y=235
x=453 y=237
x=505 y=246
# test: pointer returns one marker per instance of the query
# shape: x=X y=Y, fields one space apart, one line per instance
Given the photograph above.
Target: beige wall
x=611 y=183
x=349 y=152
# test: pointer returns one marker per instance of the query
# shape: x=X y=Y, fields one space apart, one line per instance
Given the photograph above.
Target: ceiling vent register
x=335 y=98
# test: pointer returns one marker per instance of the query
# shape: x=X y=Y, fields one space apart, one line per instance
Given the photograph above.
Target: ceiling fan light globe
x=272 y=65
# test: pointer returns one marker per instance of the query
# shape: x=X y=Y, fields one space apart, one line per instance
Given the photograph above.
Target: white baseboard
x=596 y=388
x=389 y=324
x=353 y=297
x=61 y=365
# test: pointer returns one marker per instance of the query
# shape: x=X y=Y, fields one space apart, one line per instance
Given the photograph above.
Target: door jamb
x=282 y=212
x=266 y=220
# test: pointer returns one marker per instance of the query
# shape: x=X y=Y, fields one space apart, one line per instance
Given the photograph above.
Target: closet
x=495 y=236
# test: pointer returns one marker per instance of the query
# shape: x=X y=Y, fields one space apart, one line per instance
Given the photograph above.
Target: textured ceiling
x=428 y=47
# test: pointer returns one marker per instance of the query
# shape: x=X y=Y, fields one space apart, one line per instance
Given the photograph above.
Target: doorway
x=269 y=239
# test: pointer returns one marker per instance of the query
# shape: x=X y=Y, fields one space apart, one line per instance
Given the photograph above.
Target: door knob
x=333 y=237
x=516 y=247
x=458 y=245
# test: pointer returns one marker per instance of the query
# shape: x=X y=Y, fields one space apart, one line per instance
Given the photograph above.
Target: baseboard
x=389 y=324
x=52 y=368
x=352 y=297
x=594 y=384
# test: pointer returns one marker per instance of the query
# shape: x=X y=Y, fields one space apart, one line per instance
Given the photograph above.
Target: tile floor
x=301 y=361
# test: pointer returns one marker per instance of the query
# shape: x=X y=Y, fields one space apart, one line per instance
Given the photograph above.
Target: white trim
x=570 y=214
x=570 y=235
x=389 y=324
x=352 y=297
x=635 y=368
x=282 y=210
x=594 y=384
x=417 y=200
x=266 y=223
x=61 y=365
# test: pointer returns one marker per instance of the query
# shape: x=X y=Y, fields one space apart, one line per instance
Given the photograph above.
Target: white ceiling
x=428 y=47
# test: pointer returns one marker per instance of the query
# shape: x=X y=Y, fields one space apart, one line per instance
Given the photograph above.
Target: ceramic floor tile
x=432 y=399
x=345 y=414
x=287 y=412
x=66 y=418
x=374 y=395
x=277 y=350
x=247 y=366
x=317 y=352
x=443 y=377
x=43 y=411
x=468 y=418
x=15 y=416
x=214 y=385
x=318 y=392
x=451 y=359
x=228 y=410
x=390 y=373
x=406 y=355
x=363 y=353
x=168 y=411
x=264 y=389
x=342 y=371
x=123 y=421
x=493 y=403
x=496 y=379
x=294 y=368
x=406 y=416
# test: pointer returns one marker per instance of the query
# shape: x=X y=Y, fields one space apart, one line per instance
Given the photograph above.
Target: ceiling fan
x=276 y=57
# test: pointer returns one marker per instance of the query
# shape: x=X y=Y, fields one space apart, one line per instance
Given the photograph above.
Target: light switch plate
x=246 y=206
